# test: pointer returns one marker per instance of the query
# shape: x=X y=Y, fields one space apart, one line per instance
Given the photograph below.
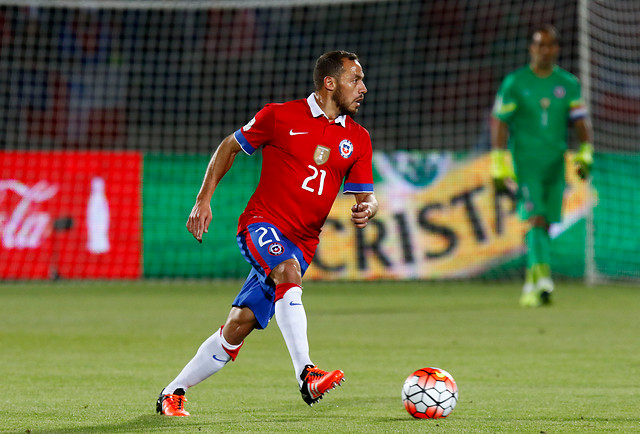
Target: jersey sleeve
x=359 y=179
x=577 y=106
x=505 y=104
x=257 y=131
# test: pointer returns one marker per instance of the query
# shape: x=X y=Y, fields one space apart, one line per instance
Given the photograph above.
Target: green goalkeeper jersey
x=538 y=111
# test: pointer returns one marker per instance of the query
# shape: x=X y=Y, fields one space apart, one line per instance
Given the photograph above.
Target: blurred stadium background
x=110 y=110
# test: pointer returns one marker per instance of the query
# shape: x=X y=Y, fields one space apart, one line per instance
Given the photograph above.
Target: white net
x=139 y=93
x=612 y=66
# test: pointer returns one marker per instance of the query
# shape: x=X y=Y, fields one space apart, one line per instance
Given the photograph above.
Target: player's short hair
x=330 y=64
x=546 y=28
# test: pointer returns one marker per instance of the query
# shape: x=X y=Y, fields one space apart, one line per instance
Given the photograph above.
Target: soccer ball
x=430 y=393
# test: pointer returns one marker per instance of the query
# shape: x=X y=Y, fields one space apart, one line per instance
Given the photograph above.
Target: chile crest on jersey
x=346 y=148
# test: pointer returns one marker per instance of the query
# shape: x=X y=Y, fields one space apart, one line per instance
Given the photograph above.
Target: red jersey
x=305 y=159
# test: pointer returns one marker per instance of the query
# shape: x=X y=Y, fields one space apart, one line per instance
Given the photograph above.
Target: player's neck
x=541 y=71
x=325 y=102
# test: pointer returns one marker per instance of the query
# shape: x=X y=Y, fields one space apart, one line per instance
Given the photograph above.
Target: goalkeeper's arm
x=501 y=168
x=583 y=159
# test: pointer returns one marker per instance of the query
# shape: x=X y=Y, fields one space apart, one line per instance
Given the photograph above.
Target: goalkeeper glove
x=501 y=170
x=583 y=159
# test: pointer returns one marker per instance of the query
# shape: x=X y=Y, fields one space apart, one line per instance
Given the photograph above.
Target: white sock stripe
x=293 y=291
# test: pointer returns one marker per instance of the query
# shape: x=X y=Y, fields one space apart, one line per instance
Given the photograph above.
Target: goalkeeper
x=532 y=111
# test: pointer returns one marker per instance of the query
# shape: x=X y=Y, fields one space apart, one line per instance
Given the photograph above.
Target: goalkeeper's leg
x=538 y=284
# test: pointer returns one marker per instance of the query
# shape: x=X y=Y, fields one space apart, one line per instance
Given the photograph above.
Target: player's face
x=544 y=50
x=350 y=90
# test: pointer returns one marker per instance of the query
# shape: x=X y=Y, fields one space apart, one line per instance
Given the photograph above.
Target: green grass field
x=92 y=357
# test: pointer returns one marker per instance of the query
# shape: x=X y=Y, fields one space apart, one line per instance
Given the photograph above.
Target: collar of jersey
x=316 y=111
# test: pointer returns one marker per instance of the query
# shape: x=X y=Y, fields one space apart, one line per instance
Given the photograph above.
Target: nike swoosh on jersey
x=295 y=133
x=291 y=303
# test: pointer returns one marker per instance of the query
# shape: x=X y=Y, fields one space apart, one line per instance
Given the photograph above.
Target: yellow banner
x=454 y=226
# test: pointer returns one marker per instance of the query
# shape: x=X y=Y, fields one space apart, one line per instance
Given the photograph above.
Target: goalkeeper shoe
x=172 y=404
x=536 y=298
x=530 y=299
x=316 y=382
x=545 y=287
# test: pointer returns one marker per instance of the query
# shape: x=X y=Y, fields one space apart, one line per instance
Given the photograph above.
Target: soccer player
x=532 y=111
x=309 y=146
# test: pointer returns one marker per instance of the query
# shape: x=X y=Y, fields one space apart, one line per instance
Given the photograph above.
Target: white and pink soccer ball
x=430 y=393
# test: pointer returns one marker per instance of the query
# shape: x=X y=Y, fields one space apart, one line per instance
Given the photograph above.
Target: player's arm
x=365 y=208
x=499 y=134
x=219 y=165
x=501 y=169
x=504 y=108
x=583 y=158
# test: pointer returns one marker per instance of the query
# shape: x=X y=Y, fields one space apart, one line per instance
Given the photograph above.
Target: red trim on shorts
x=255 y=254
x=282 y=288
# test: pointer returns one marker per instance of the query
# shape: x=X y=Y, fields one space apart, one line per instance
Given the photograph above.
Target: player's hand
x=360 y=214
x=199 y=219
x=502 y=171
x=502 y=185
x=583 y=160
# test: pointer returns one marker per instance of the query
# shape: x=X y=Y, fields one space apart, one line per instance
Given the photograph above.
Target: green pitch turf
x=92 y=357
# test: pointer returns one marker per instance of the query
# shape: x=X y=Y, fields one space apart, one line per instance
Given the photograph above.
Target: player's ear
x=330 y=83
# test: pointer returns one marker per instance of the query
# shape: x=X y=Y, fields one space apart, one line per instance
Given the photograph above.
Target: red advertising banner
x=70 y=215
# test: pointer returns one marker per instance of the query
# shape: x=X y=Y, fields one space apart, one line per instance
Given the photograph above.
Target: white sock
x=292 y=320
x=209 y=359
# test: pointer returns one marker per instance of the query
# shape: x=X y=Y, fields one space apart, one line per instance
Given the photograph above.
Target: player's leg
x=292 y=320
x=532 y=208
x=282 y=264
x=214 y=353
x=554 y=192
x=539 y=258
x=290 y=313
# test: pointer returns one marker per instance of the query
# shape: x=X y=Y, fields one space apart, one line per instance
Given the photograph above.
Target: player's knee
x=538 y=221
x=240 y=322
x=287 y=272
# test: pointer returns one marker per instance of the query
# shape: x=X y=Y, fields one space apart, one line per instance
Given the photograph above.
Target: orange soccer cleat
x=316 y=382
x=172 y=404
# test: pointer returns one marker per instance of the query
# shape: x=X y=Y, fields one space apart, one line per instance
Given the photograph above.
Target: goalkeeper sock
x=534 y=246
x=539 y=246
x=539 y=253
x=545 y=247
x=529 y=280
x=541 y=271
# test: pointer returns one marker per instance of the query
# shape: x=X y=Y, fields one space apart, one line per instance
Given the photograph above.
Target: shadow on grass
x=145 y=423
x=158 y=423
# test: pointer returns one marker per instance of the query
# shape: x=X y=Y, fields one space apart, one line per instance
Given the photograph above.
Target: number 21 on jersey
x=311 y=183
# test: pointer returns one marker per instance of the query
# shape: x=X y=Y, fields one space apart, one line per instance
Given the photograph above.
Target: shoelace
x=315 y=372
x=178 y=401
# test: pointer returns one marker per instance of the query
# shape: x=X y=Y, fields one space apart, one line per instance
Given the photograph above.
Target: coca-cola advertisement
x=70 y=215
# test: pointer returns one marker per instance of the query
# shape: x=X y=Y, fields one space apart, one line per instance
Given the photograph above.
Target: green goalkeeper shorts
x=540 y=195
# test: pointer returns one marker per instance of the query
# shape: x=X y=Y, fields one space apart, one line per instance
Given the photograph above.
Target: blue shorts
x=264 y=247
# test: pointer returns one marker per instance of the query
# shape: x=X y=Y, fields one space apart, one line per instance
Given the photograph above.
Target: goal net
x=111 y=109
x=610 y=66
